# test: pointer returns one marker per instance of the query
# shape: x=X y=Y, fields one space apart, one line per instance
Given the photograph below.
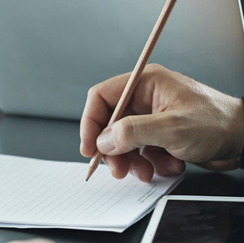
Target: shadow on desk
x=59 y=140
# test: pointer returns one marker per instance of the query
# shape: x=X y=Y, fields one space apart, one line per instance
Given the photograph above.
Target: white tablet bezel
x=159 y=209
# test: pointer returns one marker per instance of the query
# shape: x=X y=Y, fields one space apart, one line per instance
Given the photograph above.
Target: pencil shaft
x=135 y=75
x=142 y=61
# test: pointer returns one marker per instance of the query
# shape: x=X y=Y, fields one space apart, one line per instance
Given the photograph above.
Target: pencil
x=135 y=75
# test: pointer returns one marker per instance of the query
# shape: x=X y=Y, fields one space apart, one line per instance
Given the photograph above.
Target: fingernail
x=105 y=142
x=135 y=173
x=173 y=169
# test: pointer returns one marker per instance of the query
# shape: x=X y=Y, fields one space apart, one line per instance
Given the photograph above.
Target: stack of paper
x=47 y=194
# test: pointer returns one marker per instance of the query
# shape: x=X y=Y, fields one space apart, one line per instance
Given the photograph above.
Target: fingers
x=164 y=164
x=101 y=100
x=119 y=165
x=137 y=131
x=131 y=162
x=140 y=167
x=88 y=133
x=143 y=165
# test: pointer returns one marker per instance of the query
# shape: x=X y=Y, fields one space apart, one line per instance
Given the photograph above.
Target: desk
x=59 y=140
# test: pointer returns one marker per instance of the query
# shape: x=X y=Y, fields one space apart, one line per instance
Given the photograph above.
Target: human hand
x=171 y=117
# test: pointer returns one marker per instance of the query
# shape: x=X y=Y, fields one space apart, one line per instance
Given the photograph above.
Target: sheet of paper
x=50 y=194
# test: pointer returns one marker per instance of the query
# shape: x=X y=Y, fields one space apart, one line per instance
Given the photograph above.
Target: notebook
x=49 y=194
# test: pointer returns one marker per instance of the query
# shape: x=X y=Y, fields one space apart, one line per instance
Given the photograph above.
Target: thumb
x=133 y=132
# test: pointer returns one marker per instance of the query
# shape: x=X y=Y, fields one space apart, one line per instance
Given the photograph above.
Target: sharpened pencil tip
x=91 y=169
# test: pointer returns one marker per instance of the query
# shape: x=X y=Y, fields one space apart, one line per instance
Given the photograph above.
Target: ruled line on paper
x=84 y=202
x=78 y=191
x=39 y=193
x=111 y=196
x=8 y=170
x=26 y=189
x=57 y=183
x=11 y=182
x=38 y=187
x=59 y=197
x=117 y=201
x=91 y=206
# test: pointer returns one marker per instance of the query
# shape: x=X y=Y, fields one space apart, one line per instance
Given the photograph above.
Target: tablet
x=196 y=219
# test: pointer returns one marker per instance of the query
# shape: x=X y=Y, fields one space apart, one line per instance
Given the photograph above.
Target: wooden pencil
x=135 y=76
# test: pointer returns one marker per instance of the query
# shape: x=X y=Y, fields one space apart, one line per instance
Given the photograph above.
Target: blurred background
x=53 y=51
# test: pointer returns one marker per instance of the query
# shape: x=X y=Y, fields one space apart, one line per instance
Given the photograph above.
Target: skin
x=171 y=117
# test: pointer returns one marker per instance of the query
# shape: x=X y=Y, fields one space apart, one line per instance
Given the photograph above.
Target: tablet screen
x=242 y=5
x=201 y=221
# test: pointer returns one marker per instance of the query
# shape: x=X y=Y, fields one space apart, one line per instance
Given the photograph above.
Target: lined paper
x=49 y=194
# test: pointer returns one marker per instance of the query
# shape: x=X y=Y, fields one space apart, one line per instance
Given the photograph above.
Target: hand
x=171 y=117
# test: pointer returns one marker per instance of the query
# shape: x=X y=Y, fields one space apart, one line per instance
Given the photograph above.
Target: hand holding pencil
x=167 y=116
x=135 y=75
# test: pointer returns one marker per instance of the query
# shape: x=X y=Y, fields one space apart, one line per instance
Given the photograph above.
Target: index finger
x=101 y=101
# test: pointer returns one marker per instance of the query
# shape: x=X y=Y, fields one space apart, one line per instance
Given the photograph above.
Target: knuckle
x=126 y=130
x=176 y=122
x=176 y=119
x=154 y=66
x=176 y=73
x=93 y=90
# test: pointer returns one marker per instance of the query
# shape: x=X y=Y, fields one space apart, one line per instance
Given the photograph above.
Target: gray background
x=53 y=51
